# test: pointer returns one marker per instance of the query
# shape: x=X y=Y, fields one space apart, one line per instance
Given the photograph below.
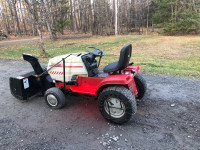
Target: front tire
x=55 y=98
x=117 y=104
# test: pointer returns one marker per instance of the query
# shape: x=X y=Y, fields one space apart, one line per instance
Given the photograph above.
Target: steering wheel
x=96 y=52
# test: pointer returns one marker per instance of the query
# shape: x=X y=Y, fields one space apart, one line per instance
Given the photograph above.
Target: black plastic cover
x=90 y=64
x=34 y=63
x=24 y=86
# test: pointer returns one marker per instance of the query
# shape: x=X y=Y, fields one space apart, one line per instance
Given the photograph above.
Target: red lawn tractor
x=116 y=87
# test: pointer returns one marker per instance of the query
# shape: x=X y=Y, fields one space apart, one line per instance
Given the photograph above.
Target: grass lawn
x=169 y=55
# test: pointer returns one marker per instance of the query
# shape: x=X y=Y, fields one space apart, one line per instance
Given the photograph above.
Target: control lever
x=131 y=63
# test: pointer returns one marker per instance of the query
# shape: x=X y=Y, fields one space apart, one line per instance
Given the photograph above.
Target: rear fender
x=119 y=80
x=109 y=85
x=91 y=85
x=135 y=68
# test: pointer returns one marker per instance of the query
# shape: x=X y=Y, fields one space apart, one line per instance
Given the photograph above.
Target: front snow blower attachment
x=116 y=87
x=28 y=85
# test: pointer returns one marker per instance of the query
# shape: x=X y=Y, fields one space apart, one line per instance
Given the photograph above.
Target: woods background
x=99 y=17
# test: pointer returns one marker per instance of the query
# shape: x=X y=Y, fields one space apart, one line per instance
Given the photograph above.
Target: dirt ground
x=167 y=118
x=18 y=41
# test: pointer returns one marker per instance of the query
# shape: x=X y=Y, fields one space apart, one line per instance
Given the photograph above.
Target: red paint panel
x=129 y=68
x=56 y=72
x=90 y=85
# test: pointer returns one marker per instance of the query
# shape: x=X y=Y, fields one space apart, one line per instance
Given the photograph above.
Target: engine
x=76 y=64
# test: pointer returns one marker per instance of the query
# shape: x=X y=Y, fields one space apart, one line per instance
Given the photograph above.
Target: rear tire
x=117 y=104
x=55 y=98
x=140 y=85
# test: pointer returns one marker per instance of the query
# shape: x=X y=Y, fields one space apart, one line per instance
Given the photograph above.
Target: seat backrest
x=125 y=56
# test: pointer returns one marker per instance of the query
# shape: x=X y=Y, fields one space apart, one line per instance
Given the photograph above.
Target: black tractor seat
x=123 y=62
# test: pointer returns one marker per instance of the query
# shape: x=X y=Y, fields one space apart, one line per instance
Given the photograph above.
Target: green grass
x=166 y=55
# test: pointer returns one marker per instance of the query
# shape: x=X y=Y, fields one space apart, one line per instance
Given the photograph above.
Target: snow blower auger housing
x=116 y=87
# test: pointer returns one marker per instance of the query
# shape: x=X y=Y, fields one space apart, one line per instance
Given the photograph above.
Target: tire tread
x=59 y=94
x=141 y=85
x=129 y=101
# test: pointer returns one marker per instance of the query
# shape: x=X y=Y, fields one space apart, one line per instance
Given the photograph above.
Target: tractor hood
x=73 y=66
x=75 y=57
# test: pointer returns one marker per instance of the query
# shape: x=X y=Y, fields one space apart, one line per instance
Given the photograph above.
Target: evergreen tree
x=177 y=16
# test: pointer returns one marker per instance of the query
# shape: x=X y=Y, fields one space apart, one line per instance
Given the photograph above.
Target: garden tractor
x=116 y=87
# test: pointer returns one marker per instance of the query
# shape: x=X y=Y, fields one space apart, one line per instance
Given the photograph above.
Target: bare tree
x=22 y=15
x=13 y=7
x=116 y=21
x=32 y=6
x=101 y=17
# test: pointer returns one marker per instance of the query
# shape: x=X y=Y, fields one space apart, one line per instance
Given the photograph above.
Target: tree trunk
x=50 y=31
x=54 y=18
x=32 y=8
x=147 y=18
x=152 y=27
x=90 y=16
x=116 y=12
x=24 y=24
x=42 y=49
x=4 y=20
x=75 y=18
x=71 y=16
x=13 y=3
x=12 y=19
x=46 y=12
x=39 y=24
x=194 y=5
